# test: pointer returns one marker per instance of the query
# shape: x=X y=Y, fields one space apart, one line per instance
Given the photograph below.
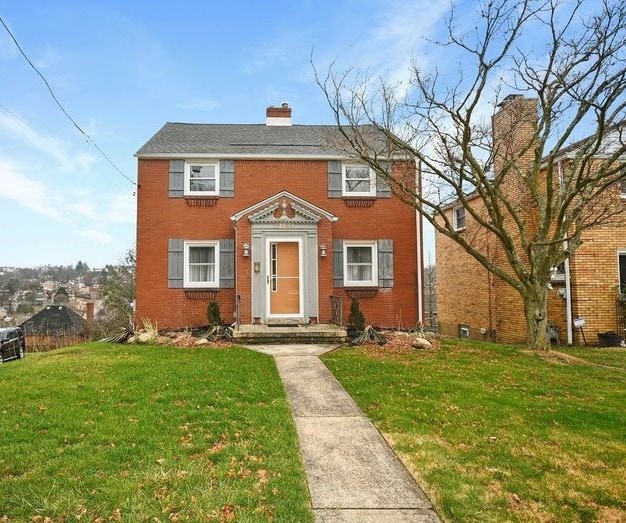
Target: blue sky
x=122 y=69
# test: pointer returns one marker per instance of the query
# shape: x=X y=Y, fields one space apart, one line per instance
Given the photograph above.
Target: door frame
x=268 y=269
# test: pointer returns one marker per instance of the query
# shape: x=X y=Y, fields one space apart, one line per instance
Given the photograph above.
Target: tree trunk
x=536 y=312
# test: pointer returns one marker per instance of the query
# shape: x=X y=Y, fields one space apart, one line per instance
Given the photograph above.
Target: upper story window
x=360 y=264
x=458 y=218
x=202 y=178
x=358 y=180
x=201 y=264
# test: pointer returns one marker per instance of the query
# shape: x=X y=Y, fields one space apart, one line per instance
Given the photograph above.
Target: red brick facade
x=161 y=217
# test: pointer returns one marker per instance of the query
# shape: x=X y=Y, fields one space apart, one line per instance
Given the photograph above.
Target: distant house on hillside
x=53 y=326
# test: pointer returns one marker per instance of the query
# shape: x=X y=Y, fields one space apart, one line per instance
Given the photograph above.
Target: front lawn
x=125 y=433
x=496 y=433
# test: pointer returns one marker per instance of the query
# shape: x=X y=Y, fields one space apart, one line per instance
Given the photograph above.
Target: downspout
x=568 y=283
x=237 y=302
x=420 y=244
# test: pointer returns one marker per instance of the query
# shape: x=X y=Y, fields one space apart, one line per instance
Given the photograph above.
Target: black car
x=12 y=344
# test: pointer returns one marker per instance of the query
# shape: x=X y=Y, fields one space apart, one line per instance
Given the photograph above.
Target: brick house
x=270 y=221
x=474 y=303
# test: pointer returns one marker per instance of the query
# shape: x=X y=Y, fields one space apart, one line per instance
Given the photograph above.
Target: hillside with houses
x=25 y=291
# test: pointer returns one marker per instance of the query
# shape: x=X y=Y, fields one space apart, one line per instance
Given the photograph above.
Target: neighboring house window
x=358 y=180
x=558 y=273
x=202 y=178
x=201 y=264
x=621 y=255
x=360 y=264
x=458 y=218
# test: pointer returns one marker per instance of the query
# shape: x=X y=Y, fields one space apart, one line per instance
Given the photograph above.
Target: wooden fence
x=43 y=343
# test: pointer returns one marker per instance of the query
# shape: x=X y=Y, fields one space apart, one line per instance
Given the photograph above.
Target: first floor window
x=358 y=180
x=360 y=261
x=201 y=178
x=201 y=264
x=622 y=271
x=459 y=218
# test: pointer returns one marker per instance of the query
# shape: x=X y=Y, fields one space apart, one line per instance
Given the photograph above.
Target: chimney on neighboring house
x=514 y=127
x=90 y=307
x=278 y=115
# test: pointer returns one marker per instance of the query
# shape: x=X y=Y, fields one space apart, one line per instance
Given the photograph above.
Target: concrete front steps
x=289 y=334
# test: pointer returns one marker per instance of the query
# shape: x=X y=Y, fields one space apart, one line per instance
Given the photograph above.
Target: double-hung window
x=360 y=264
x=201 y=264
x=202 y=178
x=621 y=267
x=458 y=218
x=358 y=180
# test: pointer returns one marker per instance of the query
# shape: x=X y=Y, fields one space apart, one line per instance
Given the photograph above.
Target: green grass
x=497 y=433
x=127 y=433
x=613 y=357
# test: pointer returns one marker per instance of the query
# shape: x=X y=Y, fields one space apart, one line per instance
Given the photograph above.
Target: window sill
x=359 y=201
x=200 y=201
x=361 y=292
x=201 y=294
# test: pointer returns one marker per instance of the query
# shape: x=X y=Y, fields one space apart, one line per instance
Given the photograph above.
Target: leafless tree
x=525 y=193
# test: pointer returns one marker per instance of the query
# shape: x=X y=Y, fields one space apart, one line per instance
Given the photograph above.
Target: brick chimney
x=278 y=115
x=90 y=307
x=514 y=127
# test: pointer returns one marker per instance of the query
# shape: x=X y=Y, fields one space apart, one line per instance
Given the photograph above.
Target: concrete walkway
x=353 y=474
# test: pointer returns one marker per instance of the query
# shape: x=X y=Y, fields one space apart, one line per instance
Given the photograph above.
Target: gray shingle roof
x=241 y=139
x=55 y=320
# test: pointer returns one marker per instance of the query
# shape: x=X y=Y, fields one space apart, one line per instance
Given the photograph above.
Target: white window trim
x=201 y=284
x=344 y=192
x=370 y=283
x=454 y=223
x=188 y=165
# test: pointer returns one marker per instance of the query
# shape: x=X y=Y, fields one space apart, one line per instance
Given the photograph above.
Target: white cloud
x=85 y=209
x=398 y=39
x=97 y=235
x=29 y=193
x=200 y=104
x=19 y=129
x=121 y=208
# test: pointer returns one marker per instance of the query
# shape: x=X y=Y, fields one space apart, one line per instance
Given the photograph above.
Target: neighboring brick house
x=474 y=303
x=270 y=220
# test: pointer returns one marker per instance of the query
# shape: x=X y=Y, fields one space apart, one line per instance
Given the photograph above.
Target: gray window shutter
x=382 y=186
x=385 y=263
x=337 y=263
x=177 y=178
x=334 y=179
x=227 y=264
x=227 y=178
x=175 y=264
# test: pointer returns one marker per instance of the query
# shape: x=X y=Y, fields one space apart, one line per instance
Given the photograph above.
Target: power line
x=88 y=138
